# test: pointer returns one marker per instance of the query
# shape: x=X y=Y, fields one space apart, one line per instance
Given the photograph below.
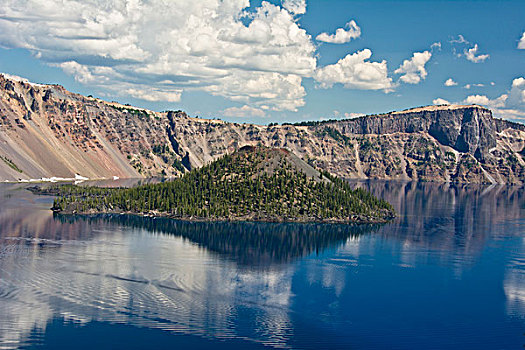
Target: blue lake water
x=448 y=273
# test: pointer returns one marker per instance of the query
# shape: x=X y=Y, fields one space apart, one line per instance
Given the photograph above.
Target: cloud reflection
x=226 y=280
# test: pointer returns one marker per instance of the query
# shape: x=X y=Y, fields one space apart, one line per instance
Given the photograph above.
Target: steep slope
x=48 y=131
x=253 y=184
x=437 y=143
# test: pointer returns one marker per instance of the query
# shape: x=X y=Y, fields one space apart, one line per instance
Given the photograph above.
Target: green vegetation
x=335 y=134
x=177 y=164
x=365 y=145
x=160 y=149
x=254 y=184
x=133 y=111
x=313 y=123
x=512 y=159
x=168 y=157
x=11 y=164
x=137 y=164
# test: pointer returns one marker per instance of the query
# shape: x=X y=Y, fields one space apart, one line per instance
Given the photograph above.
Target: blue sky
x=266 y=61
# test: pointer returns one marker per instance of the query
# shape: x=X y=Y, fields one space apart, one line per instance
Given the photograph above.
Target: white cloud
x=285 y=91
x=471 y=53
x=436 y=45
x=345 y=115
x=477 y=100
x=151 y=94
x=353 y=115
x=79 y=72
x=156 y=50
x=297 y=7
x=450 y=82
x=341 y=35
x=244 y=111
x=460 y=40
x=517 y=93
x=499 y=105
x=413 y=70
x=468 y=86
x=134 y=47
x=509 y=105
x=355 y=72
x=521 y=44
x=440 y=101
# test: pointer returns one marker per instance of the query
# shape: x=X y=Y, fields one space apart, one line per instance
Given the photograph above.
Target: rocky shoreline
x=357 y=219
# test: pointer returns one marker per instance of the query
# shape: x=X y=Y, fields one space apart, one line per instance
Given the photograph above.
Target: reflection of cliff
x=133 y=277
x=25 y=217
x=254 y=244
x=192 y=278
x=449 y=216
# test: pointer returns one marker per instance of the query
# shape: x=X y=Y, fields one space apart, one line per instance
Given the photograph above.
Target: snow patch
x=77 y=179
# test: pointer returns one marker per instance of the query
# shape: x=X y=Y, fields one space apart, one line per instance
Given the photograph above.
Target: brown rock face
x=468 y=129
x=47 y=131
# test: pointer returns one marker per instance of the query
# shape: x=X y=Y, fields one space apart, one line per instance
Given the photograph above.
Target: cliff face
x=466 y=129
x=47 y=131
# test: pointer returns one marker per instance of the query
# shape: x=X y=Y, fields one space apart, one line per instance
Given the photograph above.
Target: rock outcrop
x=47 y=131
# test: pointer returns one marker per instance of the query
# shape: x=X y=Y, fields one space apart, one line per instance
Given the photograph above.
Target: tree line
x=256 y=184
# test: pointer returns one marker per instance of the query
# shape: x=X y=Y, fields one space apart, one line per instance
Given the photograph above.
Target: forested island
x=253 y=184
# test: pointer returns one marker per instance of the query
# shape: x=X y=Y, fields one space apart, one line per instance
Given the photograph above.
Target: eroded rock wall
x=47 y=131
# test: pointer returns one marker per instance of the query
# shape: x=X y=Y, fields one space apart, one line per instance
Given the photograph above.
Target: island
x=255 y=183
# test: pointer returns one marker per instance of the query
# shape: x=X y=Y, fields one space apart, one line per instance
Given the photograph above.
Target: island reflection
x=441 y=216
x=195 y=278
x=246 y=243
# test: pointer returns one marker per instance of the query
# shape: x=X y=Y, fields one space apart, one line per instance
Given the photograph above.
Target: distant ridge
x=47 y=131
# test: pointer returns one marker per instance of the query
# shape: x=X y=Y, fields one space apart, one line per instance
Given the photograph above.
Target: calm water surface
x=448 y=273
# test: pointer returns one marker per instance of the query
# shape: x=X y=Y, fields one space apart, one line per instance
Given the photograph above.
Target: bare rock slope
x=47 y=131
